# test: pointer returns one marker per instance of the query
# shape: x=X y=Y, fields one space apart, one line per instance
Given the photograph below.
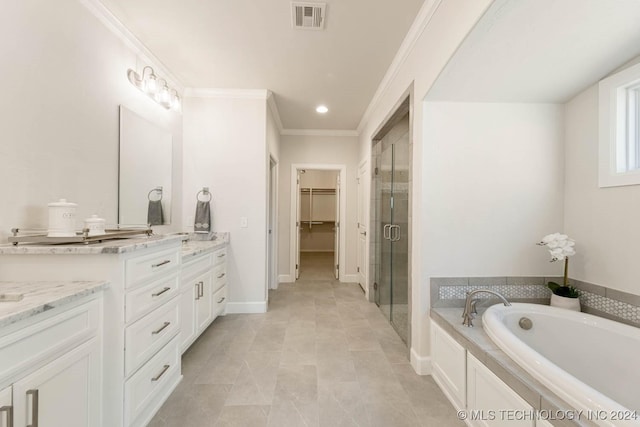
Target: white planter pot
x=565 y=302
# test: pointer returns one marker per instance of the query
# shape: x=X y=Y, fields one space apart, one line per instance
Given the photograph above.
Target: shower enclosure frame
x=403 y=107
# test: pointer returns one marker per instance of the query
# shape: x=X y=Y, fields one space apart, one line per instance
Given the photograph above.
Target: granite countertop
x=191 y=248
x=116 y=246
x=42 y=296
x=477 y=342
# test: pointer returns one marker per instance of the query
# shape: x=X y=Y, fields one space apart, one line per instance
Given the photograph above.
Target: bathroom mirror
x=144 y=190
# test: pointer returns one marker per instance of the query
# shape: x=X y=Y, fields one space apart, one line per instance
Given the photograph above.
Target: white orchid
x=560 y=246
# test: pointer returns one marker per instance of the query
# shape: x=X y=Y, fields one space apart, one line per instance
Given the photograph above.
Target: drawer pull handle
x=162 y=328
x=221 y=255
x=157 y=294
x=34 y=407
x=164 y=369
x=166 y=261
x=9 y=411
x=222 y=299
x=221 y=276
x=197 y=291
x=201 y=287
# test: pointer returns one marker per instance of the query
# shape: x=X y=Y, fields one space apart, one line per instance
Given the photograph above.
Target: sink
x=10 y=297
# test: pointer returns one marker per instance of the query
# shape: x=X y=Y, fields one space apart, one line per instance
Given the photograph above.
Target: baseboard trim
x=285 y=278
x=349 y=278
x=246 y=307
x=422 y=365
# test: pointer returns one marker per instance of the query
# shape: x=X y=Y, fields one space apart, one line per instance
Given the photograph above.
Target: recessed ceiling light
x=322 y=109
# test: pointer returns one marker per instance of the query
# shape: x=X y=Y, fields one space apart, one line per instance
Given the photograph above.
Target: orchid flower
x=560 y=246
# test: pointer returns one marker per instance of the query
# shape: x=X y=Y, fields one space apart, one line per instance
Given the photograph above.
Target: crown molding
x=227 y=93
x=318 y=132
x=271 y=102
x=423 y=19
x=104 y=15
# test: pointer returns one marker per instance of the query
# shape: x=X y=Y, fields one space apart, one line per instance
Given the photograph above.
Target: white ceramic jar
x=95 y=225
x=62 y=219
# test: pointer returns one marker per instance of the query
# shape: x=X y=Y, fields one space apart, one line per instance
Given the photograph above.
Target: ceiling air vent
x=308 y=16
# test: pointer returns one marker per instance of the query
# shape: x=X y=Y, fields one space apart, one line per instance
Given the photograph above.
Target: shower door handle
x=386 y=232
x=394 y=234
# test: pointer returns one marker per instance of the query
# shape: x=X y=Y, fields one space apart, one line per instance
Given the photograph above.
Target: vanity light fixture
x=157 y=89
x=322 y=109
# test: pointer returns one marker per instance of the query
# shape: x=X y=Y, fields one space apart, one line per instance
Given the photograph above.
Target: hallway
x=321 y=356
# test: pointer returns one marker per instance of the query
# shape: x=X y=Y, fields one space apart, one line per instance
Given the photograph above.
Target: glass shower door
x=384 y=271
x=392 y=226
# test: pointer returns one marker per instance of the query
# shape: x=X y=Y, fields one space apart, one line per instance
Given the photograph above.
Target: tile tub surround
x=478 y=343
x=595 y=299
x=42 y=296
x=116 y=246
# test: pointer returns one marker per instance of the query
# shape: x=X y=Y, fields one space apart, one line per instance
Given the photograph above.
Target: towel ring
x=156 y=190
x=204 y=192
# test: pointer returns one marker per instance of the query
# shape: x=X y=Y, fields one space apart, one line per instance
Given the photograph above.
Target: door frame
x=293 y=233
x=272 y=224
x=363 y=192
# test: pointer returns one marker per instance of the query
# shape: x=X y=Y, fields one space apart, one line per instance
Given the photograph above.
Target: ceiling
x=540 y=50
x=250 y=44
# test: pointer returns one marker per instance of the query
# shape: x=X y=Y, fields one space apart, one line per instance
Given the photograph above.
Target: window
x=620 y=128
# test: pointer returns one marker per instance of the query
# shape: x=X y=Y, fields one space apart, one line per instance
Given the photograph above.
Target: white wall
x=492 y=188
x=64 y=76
x=603 y=221
x=334 y=150
x=437 y=42
x=225 y=149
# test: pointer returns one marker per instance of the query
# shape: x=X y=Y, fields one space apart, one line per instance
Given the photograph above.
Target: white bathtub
x=590 y=362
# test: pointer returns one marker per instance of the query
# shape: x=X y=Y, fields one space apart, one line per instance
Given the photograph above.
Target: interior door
x=298 y=224
x=336 y=238
x=362 y=227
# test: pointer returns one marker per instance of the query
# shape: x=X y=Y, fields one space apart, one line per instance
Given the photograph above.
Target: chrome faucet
x=470 y=305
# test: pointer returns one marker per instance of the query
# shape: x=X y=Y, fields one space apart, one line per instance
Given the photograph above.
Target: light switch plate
x=244 y=222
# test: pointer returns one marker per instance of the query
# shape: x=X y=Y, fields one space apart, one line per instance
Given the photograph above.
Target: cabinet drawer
x=148 y=266
x=142 y=300
x=219 y=301
x=149 y=334
x=37 y=343
x=219 y=277
x=152 y=380
x=219 y=256
x=197 y=266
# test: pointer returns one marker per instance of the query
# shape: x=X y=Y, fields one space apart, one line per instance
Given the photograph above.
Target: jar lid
x=64 y=203
x=94 y=219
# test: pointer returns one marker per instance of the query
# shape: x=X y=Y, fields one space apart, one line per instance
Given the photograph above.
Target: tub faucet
x=470 y=305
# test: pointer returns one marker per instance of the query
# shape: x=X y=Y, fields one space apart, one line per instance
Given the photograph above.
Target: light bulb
x=176 y=104
x=322 y=109
x=165 y=96
x=151 y=84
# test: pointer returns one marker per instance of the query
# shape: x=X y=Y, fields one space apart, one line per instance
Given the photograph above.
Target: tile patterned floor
x=321 y=356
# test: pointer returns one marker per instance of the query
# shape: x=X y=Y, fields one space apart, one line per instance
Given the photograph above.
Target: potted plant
x=560 y=247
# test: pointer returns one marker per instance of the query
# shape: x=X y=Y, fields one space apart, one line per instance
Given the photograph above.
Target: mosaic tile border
x=595 y=299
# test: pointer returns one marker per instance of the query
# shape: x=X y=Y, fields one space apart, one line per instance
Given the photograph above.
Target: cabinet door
x=449 y=364
x=187 y=315
x=204 y=313
x=490 y=402
x=6 y=408
x=66 y=392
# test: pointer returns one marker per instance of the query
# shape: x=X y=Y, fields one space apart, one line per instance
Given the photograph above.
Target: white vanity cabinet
x=141 y=354
x=51 y=368
x=202 y=294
